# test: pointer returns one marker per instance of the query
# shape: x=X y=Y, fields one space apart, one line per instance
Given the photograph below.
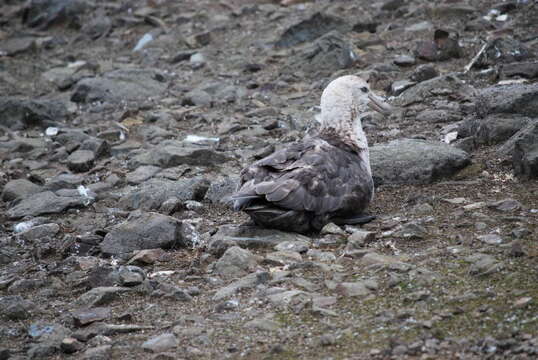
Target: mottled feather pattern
x=313 y=176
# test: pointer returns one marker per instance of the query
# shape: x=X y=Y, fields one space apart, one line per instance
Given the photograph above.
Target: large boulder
x=511 y=99
x=411 y=161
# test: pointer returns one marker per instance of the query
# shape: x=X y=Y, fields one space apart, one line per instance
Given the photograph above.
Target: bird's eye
x=364 y=89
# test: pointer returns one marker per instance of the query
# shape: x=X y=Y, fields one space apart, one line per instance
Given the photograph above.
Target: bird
x=322 y=178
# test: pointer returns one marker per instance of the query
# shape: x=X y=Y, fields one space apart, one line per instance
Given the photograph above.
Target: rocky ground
x=124 y=125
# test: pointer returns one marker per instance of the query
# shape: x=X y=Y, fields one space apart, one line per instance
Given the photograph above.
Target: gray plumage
x=320 y=179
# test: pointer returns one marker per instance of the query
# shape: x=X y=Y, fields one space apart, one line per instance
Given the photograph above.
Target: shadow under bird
x=323 y=178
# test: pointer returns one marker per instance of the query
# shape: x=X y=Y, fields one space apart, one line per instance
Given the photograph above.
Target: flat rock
x=172 y=153
x=510 y=99
x=100 y=296
x=44 y=203
x=295 y=246
x=130 y=84
x=163 y=342
x=410 y=161
x=154 y=192
x=84 y=317
x=281 y=258
x=142 y=231
x=352 y=289
x=19 y=189
x=141 y=174
x=490 y=239
x=246 y=282
x=262 y=324
x=20 y=113
x=525 y=154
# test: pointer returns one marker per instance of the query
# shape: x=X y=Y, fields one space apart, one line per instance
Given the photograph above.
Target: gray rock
x=120 y=85
x=40 y=232
x=311 y=29
x=43 y=203
x=15 y=307
x=19 y=189
x=100 y=296
x=329 y=53
x=373 y=258
x=83 y=317
x=18 y=44
x=281 y=258
x=64 y=181
x=172 y=153
x=409 y=161
x=197 y=97
x=510 y=99
x=360 y=238
x=236 y=262
x=45 y=13
x=143 y=231
x=262 y=324
x=506 y=205
x=71 y=345
x=19 y=113
x=163 y=342
x=81 y=161
x=525 y=69
x=153 y=193
x=295 y=246
x=503 y=50
x=490 y=239
x=483 y=264
x=445 y=85
x=399 y=86
x=405 y=60
x=141 y=174
x=131 y=275
x=412 y=231
x=250 y=237
x=318 y=255
x=102 y=352
x=525 y=154
x=220 y=191
x=493 y=129
x=424 y=72
x=437 y=116
x=247 y=282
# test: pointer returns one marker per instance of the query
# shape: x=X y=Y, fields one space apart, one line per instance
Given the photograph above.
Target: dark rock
x=84 y=317
x=120 y=85
x=197 y=97
x=18 y=45
x=100 y=296
x=153 y=193
x=397 y=87
x=521 y=99
x=43 y=203
x=172 y=153
x=445 y=85
x=493 y=129
x=444 y=46
x=141 y=174
x=81 y=161
x=310 y=29
x=391 y=5
x=329 y=53
x=424 y=72
x=415 y=161
x=102 y=352
x=525 y=155
x=506 y=205
x=71 y=345
x=131 y=275
x=64 y=181
x=143 y=231
x=524 y=69
x=247 y=282
x=46 y=13
x=39 y=232
x=19 y=113
x=15 y=307
x=19 y=189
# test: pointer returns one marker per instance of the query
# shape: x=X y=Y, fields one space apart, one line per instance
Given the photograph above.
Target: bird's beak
x=376 y=103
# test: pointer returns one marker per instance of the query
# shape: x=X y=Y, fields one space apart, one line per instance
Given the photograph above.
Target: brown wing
x=308 y=176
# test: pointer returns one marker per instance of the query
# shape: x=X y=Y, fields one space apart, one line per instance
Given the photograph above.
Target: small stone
x=81 y=161
x=161 y=343
x=506 y=205
x=131 y=275
x=281 y=258
x=405 y=60
x=71 y=345
x=520 y=232
x=424 y=72
x=412 y=231
x=516 y=249
x=148 y=257
x=491 y=239
x=235 y=262
x=262 y=324
x=87 y=316
x=332 y=228
x=100 y=296
x=318 y=255
x=351 y=289
x=522 y=302
x=296 y=246
x=327 y=340
x=359 y=238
